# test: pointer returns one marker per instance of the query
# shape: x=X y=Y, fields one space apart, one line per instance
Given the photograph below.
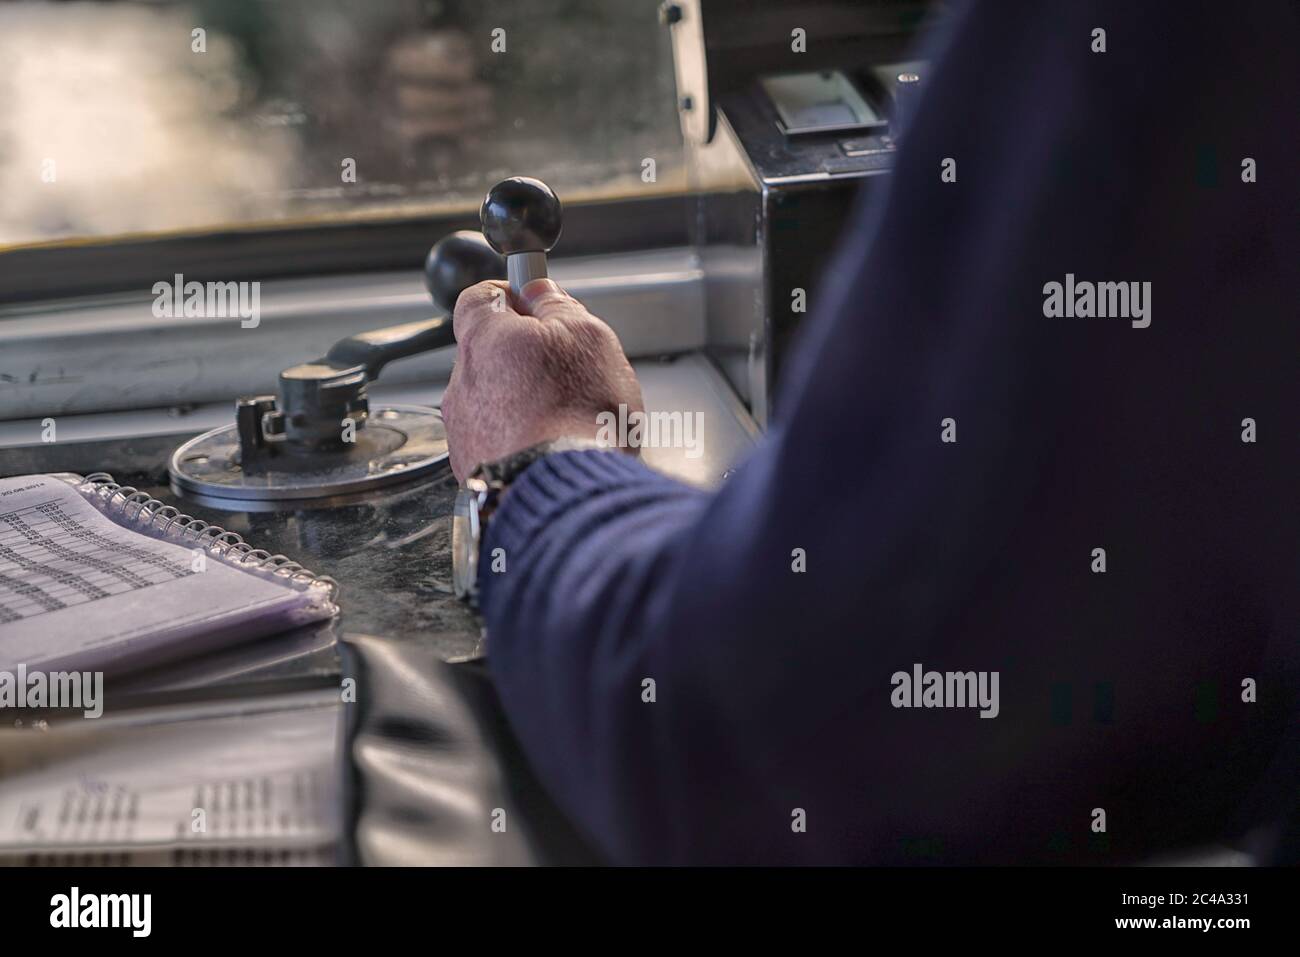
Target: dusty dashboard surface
x=390 y=554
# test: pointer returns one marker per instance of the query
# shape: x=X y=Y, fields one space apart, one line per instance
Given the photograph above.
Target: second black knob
x=457 y=262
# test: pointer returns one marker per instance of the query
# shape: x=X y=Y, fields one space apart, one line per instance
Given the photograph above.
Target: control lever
x=316 y=397
x=522 y=218
x=318 y=440
x=455 y=263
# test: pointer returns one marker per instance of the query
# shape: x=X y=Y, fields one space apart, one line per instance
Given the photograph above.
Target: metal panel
x=686 y=383
x=107 y=354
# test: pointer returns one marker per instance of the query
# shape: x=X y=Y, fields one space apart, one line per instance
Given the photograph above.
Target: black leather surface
x=430 y=763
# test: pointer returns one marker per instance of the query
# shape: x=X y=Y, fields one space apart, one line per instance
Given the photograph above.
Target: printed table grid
x=48 y=561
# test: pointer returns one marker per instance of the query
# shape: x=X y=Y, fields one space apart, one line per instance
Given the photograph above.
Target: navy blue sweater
x=773 y=735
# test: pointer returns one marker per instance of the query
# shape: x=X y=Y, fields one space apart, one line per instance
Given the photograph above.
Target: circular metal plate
x=397 y=444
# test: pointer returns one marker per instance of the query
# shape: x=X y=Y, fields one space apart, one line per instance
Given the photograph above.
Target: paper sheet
x=200 y=789
x=79 y=591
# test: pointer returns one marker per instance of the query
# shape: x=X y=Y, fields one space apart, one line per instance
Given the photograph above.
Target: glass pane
x=132 y=117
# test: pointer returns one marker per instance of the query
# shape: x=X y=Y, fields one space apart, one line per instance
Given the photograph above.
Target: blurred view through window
x=143 y=117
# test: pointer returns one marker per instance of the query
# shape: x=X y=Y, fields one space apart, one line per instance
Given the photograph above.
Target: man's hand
x=529 y=369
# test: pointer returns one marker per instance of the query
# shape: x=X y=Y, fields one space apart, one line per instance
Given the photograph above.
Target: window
x=127 y=118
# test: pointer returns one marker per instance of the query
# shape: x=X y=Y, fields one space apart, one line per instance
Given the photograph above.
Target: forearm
x=654 y=647
x=571 y=617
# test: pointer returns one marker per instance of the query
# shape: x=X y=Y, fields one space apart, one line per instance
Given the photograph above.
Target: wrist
x=482 y=494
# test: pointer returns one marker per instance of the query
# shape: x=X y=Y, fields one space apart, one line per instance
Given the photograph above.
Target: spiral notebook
x=95 y=576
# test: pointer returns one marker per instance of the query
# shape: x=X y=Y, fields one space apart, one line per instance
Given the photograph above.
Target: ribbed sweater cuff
x=554 y=484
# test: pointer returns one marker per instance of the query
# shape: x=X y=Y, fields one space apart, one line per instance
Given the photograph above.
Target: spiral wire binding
x=211 y=538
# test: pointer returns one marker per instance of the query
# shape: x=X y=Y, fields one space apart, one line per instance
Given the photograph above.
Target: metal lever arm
x=455 y=263
x=316 y=397
x=375 y=349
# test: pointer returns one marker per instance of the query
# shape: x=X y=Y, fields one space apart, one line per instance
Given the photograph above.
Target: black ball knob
x=521 y=215
x=457 y=262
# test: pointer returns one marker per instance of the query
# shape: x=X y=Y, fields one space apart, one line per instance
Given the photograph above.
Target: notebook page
x=197 y=782
x=79 y=591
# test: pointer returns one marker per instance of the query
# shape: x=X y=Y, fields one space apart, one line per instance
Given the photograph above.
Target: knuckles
x=517 y=375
